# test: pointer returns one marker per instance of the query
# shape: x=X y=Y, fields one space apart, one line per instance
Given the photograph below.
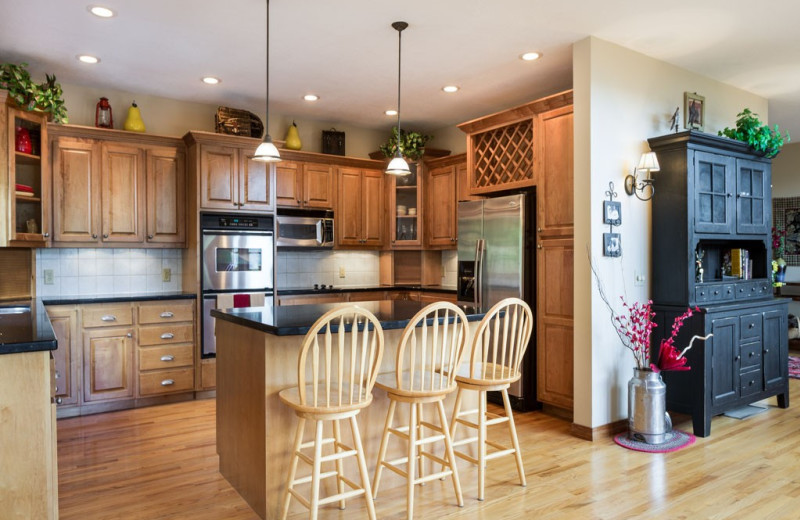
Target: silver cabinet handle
x=105 y=235
x=166 y=314
x=56 y=389
x=168 y=357
x=46 y=235
x=167 y=335
x=130 y=334
x=167 y=382
x=149 y=237
x=57 y=376
x=94 y=235
x=108 y=317
x=58 y=400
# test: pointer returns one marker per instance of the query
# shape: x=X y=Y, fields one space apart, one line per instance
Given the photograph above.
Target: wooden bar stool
x=430 y=348
x=497 y=350
x=335 y=377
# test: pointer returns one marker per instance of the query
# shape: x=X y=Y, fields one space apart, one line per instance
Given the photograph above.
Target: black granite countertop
x=297 y=319
x=114 y=298
x=308 y=290
x=25 y=327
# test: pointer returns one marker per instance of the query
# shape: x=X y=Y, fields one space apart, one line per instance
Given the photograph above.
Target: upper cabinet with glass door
x=405 y=205
x=28 y=187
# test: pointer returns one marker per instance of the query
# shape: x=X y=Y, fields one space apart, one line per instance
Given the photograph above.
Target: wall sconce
x=641 y=181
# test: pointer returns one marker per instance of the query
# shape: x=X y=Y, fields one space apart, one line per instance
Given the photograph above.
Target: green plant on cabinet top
x=759 y=136
x=46 y=97
x=412 y=144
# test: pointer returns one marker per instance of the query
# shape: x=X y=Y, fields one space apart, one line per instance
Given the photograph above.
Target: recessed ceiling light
x=100 y=11
x=450 y=89
x=311 y=97
x=530 y=56
x=391 y=112
x=211 y=80
x=85 y=58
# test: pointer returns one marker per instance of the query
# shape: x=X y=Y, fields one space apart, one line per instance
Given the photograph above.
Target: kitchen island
x=257 y=349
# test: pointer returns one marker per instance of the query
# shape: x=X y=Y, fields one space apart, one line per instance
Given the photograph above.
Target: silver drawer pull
x=167 y=335
x=168 y=357
x=167 y=382
x=108 y=317
x=166 y=314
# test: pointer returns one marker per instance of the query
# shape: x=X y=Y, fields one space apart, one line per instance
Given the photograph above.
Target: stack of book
x=741 y=264
x=23 y=190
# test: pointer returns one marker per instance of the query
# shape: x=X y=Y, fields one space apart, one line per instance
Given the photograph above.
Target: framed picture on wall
x=694 y=108
x=612 y=212
x=612 y=244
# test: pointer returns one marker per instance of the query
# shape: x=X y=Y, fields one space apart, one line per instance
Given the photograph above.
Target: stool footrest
x=466 y=440
x=338 y=455
x=434 y=476
x=306 y=480
x=427 y=440
x=501 y=453
x=310 y=444
x=498 y=419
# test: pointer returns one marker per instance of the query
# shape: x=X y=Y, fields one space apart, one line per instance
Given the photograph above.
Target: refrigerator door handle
x=480 y=247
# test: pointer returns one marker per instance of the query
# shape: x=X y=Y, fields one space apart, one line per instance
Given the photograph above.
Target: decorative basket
x=233 y=121
x=333 y=142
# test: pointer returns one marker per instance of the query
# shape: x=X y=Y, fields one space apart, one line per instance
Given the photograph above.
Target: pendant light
x=267 y=151
x=398 y=165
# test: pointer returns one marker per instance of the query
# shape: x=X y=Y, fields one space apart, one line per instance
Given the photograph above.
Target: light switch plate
x=166 y=274
x=341 y=271
x=639 y=279
x=48 y=277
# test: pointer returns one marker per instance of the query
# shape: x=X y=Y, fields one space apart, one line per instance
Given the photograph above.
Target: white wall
x=622 y=98
x=786 y=183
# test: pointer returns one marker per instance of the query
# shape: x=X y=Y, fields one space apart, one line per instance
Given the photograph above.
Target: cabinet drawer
x=107 y=315
x=750 y=382
x=166 y=381
x=166 y=334
x=750 y=355
x=750 y=326
x=172 y=356
x=751 y=290
x=166 y=312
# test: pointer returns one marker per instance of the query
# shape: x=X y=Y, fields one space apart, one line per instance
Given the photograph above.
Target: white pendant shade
x=398 y=166
x=267 y=151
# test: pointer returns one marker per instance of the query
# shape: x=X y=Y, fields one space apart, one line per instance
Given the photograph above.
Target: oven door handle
x=320 y=232
x=211 y=232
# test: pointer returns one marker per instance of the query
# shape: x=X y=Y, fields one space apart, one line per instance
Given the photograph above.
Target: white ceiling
x=346 y=51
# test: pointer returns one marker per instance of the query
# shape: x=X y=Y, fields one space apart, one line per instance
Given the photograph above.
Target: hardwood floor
x=160 y=463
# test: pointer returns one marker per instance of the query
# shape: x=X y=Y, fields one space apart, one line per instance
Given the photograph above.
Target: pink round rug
x=675 y=441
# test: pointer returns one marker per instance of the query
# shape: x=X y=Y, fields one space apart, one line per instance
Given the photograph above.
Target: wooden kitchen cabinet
x=230 y=179
x=111 y=189
x=441 y=205
x=304 y=185
x=553 y=167
x=28 y=223
x=405 y=198
x=67 y=356
x=360 y=212
x=165 y=347
x=108 y=364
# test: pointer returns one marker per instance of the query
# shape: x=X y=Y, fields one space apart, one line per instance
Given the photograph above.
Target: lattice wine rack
x=504 y=155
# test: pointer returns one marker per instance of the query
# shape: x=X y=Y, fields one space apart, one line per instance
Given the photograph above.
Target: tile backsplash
x=450 y=268
x=90 y=271
x=301 y=269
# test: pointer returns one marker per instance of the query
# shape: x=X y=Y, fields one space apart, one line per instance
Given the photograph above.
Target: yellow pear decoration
x=293 y=138
x=134 y=121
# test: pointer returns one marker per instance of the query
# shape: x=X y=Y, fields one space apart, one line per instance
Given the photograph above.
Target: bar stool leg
x=420 y=435
x=481 y=443
x=337 y=442
x=412 y=459
x=451 y=458
x=316 y=470
x=382 y=451
x=456 y=411
x=514 y=440
x=362 y=468
x=298 y=440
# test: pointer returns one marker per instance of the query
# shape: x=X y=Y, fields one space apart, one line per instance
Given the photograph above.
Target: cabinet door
x=317 y=186
x=123 y=189
x=372 y=207
x=753 y=212
x=166 y=196
x=349 y=214
x=107 y=364
x=405 y=227
x=254 y=184
x=67 y=356
x=725 y=359
x=554 y=318
x=776 y=344
x=553 y=171
x=440 y=207
x=462 y=182
x=714 y=187
x=76 y=190
x=219 y=167
x=288 y=183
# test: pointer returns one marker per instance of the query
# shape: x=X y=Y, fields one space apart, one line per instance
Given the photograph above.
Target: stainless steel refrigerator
x=496 y=260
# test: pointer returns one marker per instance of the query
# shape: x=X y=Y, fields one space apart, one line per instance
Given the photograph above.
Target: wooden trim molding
x=513 y=115
x=118 y=136
x=600 y=432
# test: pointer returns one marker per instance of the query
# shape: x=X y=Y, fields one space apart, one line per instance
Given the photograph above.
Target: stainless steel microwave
x=301 y=228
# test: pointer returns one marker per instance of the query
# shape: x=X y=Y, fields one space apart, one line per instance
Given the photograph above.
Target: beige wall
x=175 y=118
x=621 y=98
x=786 y=183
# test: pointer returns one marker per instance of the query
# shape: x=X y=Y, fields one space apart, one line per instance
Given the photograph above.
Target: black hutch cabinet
x=711 y=221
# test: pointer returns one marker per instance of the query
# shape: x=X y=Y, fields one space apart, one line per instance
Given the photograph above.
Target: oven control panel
x=211 y=221
x=237 y=222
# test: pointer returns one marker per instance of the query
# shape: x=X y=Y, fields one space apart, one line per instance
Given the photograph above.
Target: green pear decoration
x=293 y=138
x=134 y=121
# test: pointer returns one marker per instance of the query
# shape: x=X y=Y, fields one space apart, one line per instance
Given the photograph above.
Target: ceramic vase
x=648 y=420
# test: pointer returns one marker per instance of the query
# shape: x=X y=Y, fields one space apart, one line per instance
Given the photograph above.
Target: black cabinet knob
x=737 y=358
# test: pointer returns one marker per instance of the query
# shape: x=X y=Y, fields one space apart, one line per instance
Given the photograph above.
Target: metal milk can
x=648 y=420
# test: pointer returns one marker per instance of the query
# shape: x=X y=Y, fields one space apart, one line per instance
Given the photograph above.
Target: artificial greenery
x=759 y=136
x=45 y=97
x=412 y=144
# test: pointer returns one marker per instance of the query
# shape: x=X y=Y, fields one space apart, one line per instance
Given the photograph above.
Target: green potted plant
x=45 y=97
x=412 y=144
x=759 y=136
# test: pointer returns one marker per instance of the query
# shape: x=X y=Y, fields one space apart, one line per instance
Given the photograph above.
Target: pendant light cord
x=266 y=119
x=399 y=77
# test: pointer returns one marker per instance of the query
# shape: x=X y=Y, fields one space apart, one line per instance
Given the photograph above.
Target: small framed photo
x=612 y=212
x=612 y=244
x=694 y=109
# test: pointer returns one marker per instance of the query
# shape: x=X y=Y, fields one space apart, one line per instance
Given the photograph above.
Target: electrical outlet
x=48 y=277
x=639 y=279
x=166 y=274
x=341 y=271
